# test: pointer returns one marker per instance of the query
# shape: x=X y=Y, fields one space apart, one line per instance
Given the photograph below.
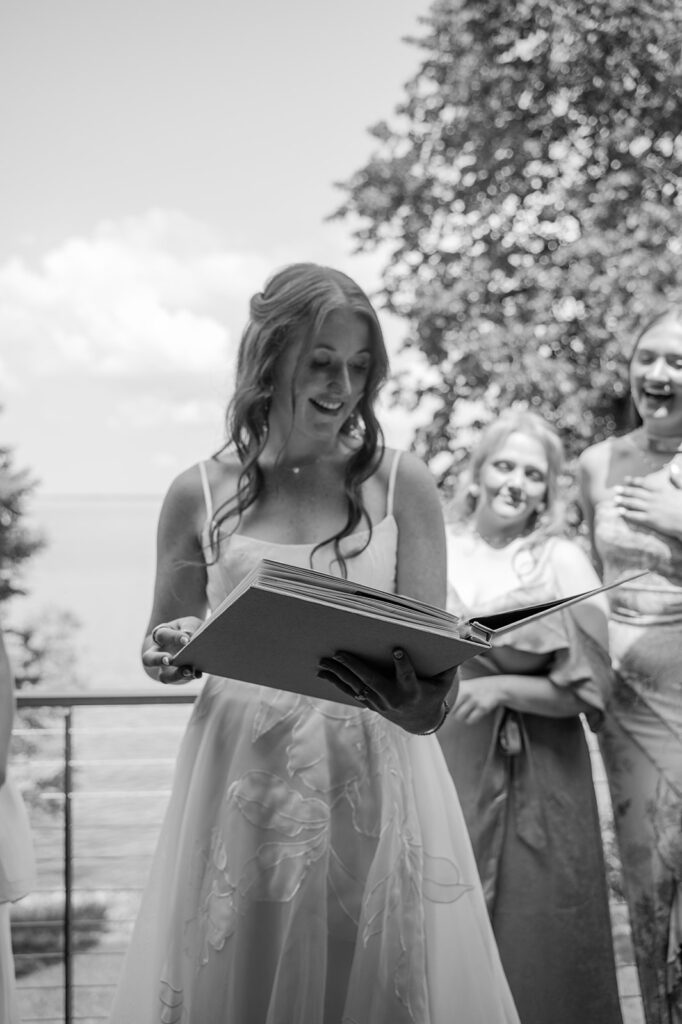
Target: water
x=98 y=565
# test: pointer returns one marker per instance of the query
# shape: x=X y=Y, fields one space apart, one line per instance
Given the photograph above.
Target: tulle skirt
x=313 y=868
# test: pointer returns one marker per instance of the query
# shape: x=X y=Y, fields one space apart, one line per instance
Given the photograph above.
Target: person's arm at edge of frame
x=7 y=706
x=179 y=604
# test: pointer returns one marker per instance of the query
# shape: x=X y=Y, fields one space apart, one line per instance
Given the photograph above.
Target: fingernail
x=187 y=672
x=397 y=654
x=165 y=660
x=184 y=638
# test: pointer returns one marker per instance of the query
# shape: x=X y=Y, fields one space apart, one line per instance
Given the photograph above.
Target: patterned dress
x=642 y=748
x=525 y=784
x=314 y=866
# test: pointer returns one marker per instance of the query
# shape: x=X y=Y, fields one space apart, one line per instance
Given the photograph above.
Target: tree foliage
x=40 y=649
x=527 y=196
x=17 y=541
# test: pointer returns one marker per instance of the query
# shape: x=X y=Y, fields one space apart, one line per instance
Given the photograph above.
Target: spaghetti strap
x=207 y=491
x=391 y=483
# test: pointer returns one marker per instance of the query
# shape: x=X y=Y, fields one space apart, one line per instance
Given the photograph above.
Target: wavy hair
x=292 y=307
x=516 y=421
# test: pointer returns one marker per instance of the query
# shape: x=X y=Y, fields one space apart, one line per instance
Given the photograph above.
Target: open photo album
x=274 y=627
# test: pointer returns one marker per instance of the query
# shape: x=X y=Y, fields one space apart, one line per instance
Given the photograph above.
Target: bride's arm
x=422 y=560
x=179 y=603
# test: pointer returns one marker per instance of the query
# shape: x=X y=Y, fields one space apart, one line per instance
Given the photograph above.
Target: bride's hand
x=167 y=638
x=417 y=705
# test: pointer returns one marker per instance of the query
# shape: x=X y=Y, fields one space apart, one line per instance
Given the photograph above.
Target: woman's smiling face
x=513 y=485
x=656 y=378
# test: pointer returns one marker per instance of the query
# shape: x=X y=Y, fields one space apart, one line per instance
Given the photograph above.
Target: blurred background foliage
x=525 y=198
x=41 y=647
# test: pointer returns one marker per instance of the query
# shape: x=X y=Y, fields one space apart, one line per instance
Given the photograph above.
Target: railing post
x=68 y=871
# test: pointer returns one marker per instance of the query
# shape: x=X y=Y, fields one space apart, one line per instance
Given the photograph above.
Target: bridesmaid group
x=513 y=741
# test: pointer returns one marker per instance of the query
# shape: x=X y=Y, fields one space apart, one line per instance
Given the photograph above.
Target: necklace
x=652 y=448
x=298 y=467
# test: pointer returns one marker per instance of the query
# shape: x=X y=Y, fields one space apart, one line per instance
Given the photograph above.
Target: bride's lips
x=330 y=408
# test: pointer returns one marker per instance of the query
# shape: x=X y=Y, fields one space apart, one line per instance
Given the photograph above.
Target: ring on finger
x=159 y=625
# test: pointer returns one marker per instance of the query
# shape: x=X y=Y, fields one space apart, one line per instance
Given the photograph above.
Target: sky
x=159 y=160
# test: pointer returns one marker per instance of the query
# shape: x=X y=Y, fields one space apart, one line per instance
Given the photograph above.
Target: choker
x=644 y=443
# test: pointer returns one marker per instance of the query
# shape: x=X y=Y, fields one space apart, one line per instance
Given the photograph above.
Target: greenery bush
x=37 y=928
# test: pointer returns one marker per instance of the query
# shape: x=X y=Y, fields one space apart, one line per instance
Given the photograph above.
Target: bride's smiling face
x=316 y=390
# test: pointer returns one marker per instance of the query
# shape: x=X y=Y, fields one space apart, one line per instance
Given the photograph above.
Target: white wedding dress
x=314 y=866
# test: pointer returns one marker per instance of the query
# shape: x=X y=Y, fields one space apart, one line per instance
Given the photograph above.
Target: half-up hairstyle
x=293 y=306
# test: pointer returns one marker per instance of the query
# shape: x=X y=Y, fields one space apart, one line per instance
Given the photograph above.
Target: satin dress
x=642 y=748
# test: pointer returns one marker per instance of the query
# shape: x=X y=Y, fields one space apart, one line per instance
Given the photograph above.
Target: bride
x=314 y=866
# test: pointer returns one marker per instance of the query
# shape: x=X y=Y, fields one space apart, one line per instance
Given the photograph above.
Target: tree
x=527 y=197
x=41 y=650
x=17 y=542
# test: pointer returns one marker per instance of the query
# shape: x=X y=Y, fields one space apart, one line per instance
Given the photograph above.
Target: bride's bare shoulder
x=186 y=497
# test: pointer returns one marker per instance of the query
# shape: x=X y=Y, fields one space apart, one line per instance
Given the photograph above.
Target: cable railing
x=95 y=770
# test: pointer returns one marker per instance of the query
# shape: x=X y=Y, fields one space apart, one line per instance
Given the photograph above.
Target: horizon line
x=90 y=495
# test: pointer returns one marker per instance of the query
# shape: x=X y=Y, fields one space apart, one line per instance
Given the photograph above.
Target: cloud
x=117 y=348
x=146 y=295
x=152 y=411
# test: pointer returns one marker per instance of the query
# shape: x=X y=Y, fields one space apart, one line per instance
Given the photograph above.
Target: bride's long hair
x=294 y=305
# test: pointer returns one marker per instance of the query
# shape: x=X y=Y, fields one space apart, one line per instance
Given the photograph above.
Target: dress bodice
x=625 y=549
x=371 y=560
x=373 y=565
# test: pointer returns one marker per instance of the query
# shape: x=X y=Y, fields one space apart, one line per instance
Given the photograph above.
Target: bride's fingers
x=352 y=675
x=406 y=678
x=392 y=694
x=332 y=677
